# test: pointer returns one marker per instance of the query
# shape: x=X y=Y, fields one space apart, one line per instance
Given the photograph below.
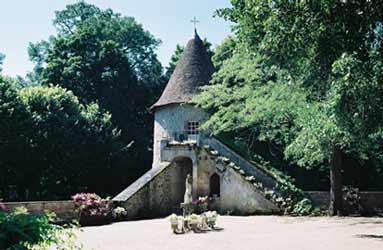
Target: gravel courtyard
x=242 y=233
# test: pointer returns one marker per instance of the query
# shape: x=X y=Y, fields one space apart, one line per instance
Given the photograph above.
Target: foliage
x=224 y=51
x=305 y=37
x=304 y=77
x=107 y=58
x=351 y=200
x=304 y=207
x=90 y=204
x=246 y=95
x=20 y=230
x=119 y=213
x=2 y=56
x=351 y=117
x=3 y=208
x=46 y=142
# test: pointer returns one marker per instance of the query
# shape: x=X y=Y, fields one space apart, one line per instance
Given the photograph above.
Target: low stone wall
x=65 y=210
x=371 y=202
x=155 y=194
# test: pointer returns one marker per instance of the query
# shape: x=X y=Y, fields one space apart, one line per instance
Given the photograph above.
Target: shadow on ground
x=370 y=236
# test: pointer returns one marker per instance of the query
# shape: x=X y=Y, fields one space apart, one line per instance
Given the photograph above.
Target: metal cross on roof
x=195 y=21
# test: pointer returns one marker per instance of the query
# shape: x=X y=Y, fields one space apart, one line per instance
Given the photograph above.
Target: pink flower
x=3 y=207
x=91 y=204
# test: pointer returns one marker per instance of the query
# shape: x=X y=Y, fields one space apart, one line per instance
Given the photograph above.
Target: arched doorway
x=215 y=189
x=182 y=167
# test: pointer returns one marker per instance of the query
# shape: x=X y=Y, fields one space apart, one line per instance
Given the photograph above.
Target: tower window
x=193 y=128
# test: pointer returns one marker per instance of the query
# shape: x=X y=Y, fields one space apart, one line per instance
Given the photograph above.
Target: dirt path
x=242 y=233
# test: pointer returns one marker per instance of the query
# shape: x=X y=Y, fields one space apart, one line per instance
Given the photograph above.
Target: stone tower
x=182 y=151
x=174 y=118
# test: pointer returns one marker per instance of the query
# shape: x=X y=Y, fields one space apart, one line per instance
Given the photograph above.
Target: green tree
x=285 y=83
x=15 y=127
x=52 y=145
x=224 y=51
x=2 y=56
x=349 y=121
x=305 y=37
x=110 y=59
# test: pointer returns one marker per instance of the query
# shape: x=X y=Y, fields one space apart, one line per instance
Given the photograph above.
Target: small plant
x=201 y=200
x=194 y=218
x=173 y=222
x=23 y=231
x=3 y=208
x=90 y=204
x=201 y=204
x=211 y=217
x=351 y=200
x=303 y=207
x=173 y=218
x=119 y=213
x=93 y=210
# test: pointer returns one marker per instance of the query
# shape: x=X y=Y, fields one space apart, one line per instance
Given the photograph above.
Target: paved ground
x=242 y=233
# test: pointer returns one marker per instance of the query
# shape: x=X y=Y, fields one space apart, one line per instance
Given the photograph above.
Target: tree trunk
x=336 y=194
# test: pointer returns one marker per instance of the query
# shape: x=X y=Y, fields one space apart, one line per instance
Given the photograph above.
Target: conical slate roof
x=193 y=70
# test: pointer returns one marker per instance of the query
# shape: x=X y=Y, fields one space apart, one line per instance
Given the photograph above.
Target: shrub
x=351 y=200
x=93 y=210
x=20 y=230
x=304 y=207
x=3 y=208
x=119 y=213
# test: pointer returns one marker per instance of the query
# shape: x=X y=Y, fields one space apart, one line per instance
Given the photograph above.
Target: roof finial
x=195 y=21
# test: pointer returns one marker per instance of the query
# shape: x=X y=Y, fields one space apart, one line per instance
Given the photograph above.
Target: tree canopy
x=50 y=142
x=2 y=56
x=104 y=57
x=305 y=77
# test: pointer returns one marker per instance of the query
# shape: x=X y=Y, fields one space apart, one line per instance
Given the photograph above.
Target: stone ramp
x=140 y=183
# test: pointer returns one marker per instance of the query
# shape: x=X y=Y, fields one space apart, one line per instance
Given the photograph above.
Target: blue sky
x=27 y=21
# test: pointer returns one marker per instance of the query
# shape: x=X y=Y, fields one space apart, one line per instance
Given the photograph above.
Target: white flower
x=119 y=212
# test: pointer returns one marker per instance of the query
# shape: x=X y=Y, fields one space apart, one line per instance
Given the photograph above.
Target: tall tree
x=283 y=83
x=107 y=58
x=51 y=145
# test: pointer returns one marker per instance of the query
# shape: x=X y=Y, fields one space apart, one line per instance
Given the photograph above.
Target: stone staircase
x=260 y=180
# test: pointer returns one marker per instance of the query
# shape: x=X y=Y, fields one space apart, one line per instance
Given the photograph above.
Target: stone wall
x=265 y=178
x=169 y=119
x=371 y=202
x=156 y=194
x=65 y=210
x=237 y=196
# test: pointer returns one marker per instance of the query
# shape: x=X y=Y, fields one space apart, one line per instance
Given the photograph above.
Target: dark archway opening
x=215 y=189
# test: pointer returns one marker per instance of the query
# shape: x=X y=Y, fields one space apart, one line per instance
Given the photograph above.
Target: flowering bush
x=3 y=208
x=201 y=204
x=90 y=204
x=201 y=200
x=119 y=213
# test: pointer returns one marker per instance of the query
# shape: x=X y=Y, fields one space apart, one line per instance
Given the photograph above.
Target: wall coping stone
x=136 y=186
